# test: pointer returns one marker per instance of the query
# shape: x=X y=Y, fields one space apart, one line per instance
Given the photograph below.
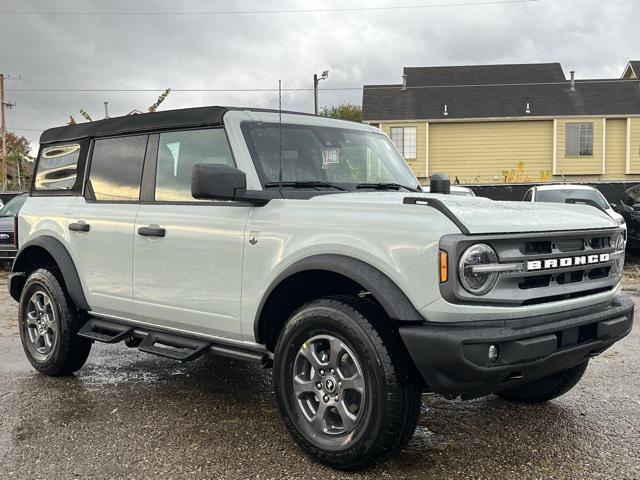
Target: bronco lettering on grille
x=551 y=263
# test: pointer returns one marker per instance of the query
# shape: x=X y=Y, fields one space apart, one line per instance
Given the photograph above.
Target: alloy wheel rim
x=41 y=325
x=328 y=385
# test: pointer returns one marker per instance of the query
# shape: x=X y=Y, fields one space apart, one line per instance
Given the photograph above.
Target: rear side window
x=178 y=152
x=57 y=167
x=116 y=168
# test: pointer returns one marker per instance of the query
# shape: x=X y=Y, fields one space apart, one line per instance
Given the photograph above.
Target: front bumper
x=453 y=357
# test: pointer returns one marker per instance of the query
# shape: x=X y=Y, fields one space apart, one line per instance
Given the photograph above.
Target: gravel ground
x=135 y=416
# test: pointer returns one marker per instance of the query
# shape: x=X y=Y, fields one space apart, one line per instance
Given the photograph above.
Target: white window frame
x=405 y=140
x=583 y=140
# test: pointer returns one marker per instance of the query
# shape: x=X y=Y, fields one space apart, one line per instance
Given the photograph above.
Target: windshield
x=325 y=154
x=12 y=207
x=561 y=196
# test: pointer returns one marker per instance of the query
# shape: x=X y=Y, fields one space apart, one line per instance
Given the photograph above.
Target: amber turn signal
x=444 y=266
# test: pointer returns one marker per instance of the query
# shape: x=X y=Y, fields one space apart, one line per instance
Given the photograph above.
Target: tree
x=86 y=116
x=152 y=108
x=161 y=99
x=17 y=158
x=343 y=111
x=17 y=145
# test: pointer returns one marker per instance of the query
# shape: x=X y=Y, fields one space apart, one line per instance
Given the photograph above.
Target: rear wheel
x=343 y=385
x=546 y=388
x=48 y=326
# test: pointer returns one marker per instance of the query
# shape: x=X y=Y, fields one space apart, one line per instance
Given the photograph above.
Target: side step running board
x=105 y=331
x=170 y=345
x=176 y=348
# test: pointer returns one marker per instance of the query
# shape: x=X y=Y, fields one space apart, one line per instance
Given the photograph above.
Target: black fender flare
x=392 y=299
x=63 y=260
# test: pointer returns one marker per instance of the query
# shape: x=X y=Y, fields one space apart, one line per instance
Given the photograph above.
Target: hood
x=482 y=215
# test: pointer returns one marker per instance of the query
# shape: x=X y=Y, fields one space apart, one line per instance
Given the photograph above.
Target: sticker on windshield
x=330 y=156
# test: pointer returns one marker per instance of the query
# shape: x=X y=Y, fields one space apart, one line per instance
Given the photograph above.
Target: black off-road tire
x=392 y=391
x=546 y=388
x=68 y=352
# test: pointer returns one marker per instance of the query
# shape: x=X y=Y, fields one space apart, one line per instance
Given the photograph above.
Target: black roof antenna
x=280 y=134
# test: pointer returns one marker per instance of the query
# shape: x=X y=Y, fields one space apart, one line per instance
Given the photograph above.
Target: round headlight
x=477 y=282
x=619 y=245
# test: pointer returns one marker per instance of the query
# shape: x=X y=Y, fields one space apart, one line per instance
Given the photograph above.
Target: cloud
x=254 y=51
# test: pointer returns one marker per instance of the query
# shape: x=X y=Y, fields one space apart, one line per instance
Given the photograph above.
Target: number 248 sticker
x=330 y=156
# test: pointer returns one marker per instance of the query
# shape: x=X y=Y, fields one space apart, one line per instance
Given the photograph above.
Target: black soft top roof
x=145 y=122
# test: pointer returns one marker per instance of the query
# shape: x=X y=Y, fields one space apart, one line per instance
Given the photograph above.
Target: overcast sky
x=253 y=51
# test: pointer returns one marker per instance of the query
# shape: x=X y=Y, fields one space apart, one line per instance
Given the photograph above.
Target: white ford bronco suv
x=306 y=243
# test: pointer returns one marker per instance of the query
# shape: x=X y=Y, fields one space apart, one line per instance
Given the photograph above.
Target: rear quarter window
x=57 y=168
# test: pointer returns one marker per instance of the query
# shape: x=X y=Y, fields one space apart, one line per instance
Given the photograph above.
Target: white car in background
x=455 y=190
x=580 y=194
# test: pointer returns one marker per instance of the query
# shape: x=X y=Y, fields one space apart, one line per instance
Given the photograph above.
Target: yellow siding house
x=511 y=123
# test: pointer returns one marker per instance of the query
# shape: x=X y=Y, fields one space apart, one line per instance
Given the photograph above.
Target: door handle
x=79 y=227
x=152 y=231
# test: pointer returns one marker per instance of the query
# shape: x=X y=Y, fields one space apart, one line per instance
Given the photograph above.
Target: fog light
x=494 y=353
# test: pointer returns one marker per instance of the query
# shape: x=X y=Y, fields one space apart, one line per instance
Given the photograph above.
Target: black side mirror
x=216 y=182
x=440 y=183
x=210 y=181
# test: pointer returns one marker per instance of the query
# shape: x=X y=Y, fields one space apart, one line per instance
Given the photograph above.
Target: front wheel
x=344 y=388
x=48 y=326
x=546 y=388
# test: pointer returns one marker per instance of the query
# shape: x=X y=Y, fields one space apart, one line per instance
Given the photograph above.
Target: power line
x=272 y=12
x=43 y=100
x=48 y=99
x=36 y=105
x=13 y=129
x=307 y=89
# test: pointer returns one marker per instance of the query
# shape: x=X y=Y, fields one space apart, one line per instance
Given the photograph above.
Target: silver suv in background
x=575 y=194
x=8 y=227
x=454 y=190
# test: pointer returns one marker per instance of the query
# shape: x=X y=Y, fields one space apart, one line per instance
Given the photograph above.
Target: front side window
x=116 y=168
x=579 y=142
x=179 y=151
x=57 y=167
x=325 y=154
x=404 y=139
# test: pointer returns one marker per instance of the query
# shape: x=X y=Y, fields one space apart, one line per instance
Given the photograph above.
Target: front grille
x=550 y=284
x=568 y=274
x=6 y=241
x=570 y=245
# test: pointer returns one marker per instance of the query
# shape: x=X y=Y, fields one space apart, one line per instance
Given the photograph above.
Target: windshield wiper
x=303 y=184
x=385 y=186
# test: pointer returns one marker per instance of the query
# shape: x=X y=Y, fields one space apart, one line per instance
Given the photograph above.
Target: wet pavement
x=131 y=415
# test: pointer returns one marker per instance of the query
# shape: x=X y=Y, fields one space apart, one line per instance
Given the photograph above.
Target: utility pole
x=316 y=80
x=4 y=135
x=3 y=129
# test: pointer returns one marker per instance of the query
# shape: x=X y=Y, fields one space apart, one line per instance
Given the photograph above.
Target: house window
x=405 y=139
x=579 y=141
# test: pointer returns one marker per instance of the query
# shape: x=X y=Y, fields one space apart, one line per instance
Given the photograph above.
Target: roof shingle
x=484 y=74
x=496 y=95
